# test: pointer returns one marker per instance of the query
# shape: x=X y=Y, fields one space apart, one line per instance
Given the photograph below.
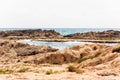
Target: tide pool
x=59 y=45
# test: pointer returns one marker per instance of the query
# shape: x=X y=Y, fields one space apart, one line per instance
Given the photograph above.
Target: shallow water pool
x=58 y=45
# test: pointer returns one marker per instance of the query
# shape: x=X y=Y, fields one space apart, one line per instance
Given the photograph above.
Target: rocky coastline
x=105 y=35
x=51 y=35
x=19 y=61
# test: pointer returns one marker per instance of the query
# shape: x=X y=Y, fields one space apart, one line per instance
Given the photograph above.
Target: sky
x=59 y=13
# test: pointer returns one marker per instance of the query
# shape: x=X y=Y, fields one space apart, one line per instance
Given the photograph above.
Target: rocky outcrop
x=59 y=57
x=51 y=34
x=76 y=53
x=110 y=34
x=106 y=58
x=37 y=33
x=84 y=55
x=11 y=50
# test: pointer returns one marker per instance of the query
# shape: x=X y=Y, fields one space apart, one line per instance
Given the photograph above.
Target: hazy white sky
x=59 y=13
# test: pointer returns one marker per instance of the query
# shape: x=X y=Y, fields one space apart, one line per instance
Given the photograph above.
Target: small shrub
x=84 y=59
x=3 y=71
x=81 y=60
x=74 y=69
x=26 y=61
x=71 y=68
x=49 y=72
x=116 y=50
x=23 y=70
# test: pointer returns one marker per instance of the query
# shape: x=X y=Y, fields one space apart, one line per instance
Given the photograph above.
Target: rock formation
x=35 y=33
x=85 y=55
x=51 y=34
x=11 y=50
x=99 y=62
x=110 y=34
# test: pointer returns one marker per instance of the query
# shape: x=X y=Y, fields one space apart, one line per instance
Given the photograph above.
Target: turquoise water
x=65 y=31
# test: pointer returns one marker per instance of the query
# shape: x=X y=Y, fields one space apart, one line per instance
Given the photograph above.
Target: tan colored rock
x=26 y=34
x=12 y=51
x=60 y=57
x=109 y=34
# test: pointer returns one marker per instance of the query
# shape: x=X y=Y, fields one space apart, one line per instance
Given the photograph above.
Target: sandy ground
x=58 y=76
x=61 y=74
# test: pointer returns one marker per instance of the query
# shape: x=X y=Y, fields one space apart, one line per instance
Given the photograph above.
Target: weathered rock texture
x=110 y=34
x=13 y=51
x=37 y=33
x=85 y=55
x=105 y=58
x=51 y=34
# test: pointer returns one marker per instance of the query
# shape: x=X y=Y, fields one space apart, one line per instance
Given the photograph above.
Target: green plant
x=116 y=50
x=5 y=71
x=26 y=61
x=74 y=69
x=23 y=70
x=81 y=60
x=71 y=68
x=84 y=59
x=49 y=72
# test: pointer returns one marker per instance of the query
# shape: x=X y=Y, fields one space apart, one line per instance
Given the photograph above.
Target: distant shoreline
x=109 y=36
x=64 y=31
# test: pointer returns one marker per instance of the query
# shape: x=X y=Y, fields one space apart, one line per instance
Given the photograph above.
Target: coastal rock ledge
x=86 y=55
x=52 y=34
x=32 y=34
x=109 y=34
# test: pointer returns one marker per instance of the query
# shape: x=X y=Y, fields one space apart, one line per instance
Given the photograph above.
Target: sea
x=63 y=31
